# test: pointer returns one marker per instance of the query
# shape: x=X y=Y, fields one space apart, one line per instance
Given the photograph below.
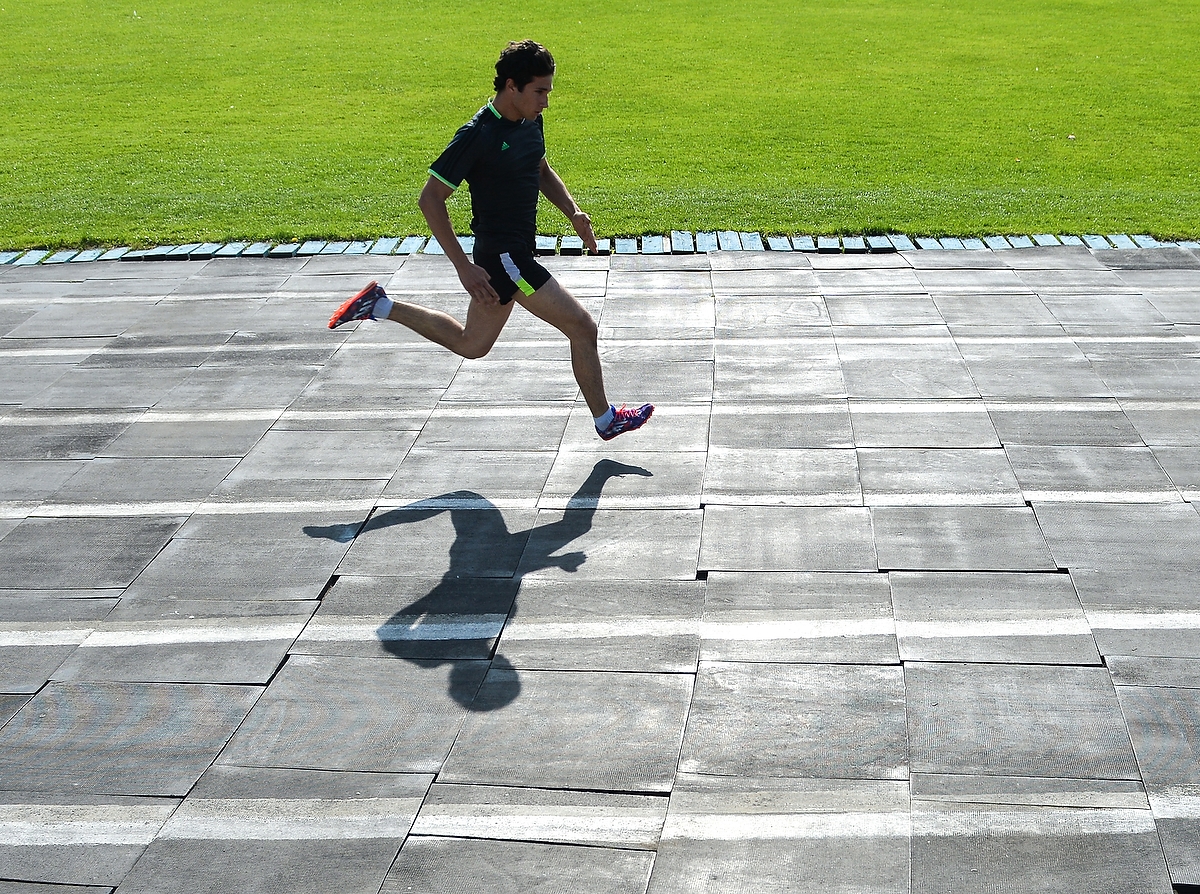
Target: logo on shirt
x=503 y=146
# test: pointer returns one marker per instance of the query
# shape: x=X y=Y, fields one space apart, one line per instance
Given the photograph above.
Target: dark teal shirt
x=501 y=162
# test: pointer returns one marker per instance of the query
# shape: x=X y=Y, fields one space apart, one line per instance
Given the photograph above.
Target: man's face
x=534 y=98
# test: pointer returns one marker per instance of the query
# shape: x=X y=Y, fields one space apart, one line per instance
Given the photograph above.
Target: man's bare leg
x=560 y=309
x=472 y=339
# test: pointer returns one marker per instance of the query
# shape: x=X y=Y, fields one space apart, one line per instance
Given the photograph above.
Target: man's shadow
x=460 y=619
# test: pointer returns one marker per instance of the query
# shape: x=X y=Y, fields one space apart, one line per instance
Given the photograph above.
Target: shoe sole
x=336 y=320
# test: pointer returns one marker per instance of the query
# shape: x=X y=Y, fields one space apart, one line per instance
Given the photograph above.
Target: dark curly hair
x=522 y=61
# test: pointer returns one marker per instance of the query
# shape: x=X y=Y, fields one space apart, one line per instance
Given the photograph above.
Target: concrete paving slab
x=460 y=532
x=781 y=426
x=662 y=543
x=308 y=718
x=1150 y=379
x=1015 y=369
x=38 y=633
x=21 y=381
x=188 y=315
x=509 y=478
x=788 y=281
x=888 y=310
x=506 y=382
x=922 y=424
x=259 y=387
x=1171 y=673
x=798 y=617
x=1083 y=423
x=144 y=480
x=188 y=641
x=285 y=496
x=535 y=427
x=363 y=455
x=593 y=819
x=937 y=477
x=814 y=720
x=75 y=843
x=674 y=427
x=862 y=280
x=787 y=538
x=991 y=617
x=762 y=834
x=770 y=378
x=282 y=830
x=31 y=481
x=1173 y=421
x=1164 y=724
x=959 y=538
x=961 y=847
x=508 y=741
x=667 y=383
x=633 y=626
x=669 y=284
x=164 y=434
x=435 y=865
x=119 y=738
x=748 y=314
x=419 y=618
x=903 y=367
x=1174 y=815
x=633 y=479
x=1103 y=310
x=1115 y=536
x=190 y=569
x=781 y=477
x=960 y=279
x=726 y=261
x=1016 y=720
x=1004 y=310
x=155 y=351
x=81 y=552
x=64 y=320
x=10 y=705
x=1178 y=306
x=1079 y=474
x=121 y=388
x=1182 y=464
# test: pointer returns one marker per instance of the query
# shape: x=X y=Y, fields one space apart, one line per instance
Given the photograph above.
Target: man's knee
x=589 y=331
x=474 y=351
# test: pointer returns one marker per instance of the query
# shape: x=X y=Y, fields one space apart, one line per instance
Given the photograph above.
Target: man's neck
x=505 y=108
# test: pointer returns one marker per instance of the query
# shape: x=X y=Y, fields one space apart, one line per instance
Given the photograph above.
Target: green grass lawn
x=150 y=121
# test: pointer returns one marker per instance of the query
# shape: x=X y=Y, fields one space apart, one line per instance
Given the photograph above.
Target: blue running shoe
x=625 y=420
x=360 y=307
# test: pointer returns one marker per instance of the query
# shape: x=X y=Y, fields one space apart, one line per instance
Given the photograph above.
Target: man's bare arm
x=555 y=190
x=433 y=205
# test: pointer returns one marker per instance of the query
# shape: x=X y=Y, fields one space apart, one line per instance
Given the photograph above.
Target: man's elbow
x=427 y=200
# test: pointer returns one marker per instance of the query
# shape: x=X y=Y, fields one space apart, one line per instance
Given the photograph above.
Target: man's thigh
x=560 y=309
x=483 y=324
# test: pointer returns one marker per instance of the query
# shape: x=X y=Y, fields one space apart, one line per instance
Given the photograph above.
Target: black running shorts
x=512 y=272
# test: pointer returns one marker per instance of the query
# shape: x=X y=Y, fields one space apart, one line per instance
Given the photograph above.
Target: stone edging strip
x=677 y=242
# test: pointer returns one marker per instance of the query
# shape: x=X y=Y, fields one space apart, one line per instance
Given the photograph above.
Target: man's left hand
x=583 y=226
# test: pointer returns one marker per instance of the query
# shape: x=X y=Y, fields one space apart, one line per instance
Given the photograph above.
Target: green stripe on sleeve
x=434 y=173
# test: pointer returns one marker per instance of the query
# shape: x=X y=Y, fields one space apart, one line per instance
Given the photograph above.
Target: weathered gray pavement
x=897 y=592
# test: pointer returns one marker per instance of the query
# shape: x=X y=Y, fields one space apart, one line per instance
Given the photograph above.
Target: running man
x=501 y=154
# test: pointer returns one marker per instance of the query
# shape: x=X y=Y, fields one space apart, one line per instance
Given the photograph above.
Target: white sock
x=382 y=308
x=602 y=422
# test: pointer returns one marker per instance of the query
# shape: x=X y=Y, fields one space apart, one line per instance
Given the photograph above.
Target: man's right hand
x=477 y=283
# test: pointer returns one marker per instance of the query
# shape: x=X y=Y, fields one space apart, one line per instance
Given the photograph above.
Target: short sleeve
x=456 y=161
